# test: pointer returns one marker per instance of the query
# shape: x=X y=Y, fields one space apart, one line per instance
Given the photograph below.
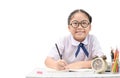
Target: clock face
x=97 y=64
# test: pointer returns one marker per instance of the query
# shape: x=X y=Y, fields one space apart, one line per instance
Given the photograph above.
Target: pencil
x=58 y=51
x=112 y=55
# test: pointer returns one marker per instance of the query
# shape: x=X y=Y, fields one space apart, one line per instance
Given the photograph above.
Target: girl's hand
x=60 y=65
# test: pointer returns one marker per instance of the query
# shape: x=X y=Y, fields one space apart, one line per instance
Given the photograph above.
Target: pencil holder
x=115 y=66
x=115 y=61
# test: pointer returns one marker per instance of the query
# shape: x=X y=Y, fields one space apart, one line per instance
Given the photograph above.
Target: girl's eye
x=75 y=23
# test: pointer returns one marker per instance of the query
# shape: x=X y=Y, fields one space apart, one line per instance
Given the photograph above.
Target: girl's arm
x=58 y=65
x=78 y=65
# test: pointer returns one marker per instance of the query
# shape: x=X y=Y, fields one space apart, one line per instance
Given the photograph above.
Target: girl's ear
x=68 y=27
x=90 y=28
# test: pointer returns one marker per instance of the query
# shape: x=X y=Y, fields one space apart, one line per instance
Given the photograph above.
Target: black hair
x=79 y=10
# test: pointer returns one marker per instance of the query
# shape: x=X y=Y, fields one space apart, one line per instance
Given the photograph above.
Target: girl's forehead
x=79 y=16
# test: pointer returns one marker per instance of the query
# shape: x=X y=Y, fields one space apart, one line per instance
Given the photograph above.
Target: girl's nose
x=79 y=26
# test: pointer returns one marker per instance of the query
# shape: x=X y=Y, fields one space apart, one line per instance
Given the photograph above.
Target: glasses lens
x=84 y=23
x=75 y=23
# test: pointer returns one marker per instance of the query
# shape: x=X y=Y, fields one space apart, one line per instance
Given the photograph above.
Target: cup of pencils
x=115 y=61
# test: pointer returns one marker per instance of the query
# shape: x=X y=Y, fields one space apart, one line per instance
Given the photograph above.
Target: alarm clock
x=99 y=64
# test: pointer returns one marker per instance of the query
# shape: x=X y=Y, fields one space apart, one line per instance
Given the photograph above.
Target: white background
x=28 y=28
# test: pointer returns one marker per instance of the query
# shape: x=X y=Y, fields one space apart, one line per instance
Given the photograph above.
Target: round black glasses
x=83 y=23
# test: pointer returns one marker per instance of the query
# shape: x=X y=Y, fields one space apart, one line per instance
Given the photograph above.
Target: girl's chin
x=79 y=38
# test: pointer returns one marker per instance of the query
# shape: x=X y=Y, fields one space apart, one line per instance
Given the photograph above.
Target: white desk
x=42 y=73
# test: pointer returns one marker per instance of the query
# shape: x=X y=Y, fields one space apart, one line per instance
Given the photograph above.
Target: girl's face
x=79 y=33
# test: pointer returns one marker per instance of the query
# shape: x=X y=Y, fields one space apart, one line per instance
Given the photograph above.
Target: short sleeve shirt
x=68 y=46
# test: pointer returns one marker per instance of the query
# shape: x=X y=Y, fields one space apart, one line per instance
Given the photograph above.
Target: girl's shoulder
x=65 y=38
x=92 y=37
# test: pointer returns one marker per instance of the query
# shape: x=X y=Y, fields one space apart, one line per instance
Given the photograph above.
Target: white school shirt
x=68 y=47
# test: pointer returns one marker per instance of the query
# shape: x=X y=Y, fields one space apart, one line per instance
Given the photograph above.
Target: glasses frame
x=80 y=23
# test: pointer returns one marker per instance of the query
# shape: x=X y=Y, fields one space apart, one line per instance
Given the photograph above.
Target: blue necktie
x=84 y=49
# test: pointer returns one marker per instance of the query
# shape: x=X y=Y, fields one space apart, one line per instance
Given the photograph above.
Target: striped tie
x=84 y=49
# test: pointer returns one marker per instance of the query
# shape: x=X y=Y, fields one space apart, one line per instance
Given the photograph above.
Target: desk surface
x=83 y=73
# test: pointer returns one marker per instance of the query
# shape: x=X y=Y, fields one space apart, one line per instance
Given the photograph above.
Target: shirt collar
x=76 y=43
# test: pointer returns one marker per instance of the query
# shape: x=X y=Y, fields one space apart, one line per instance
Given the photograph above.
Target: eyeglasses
x=83 y=23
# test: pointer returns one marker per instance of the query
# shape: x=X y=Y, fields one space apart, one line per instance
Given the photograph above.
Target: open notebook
x=70 y=70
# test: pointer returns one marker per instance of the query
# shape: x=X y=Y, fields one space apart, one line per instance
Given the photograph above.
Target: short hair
x=79 y=10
